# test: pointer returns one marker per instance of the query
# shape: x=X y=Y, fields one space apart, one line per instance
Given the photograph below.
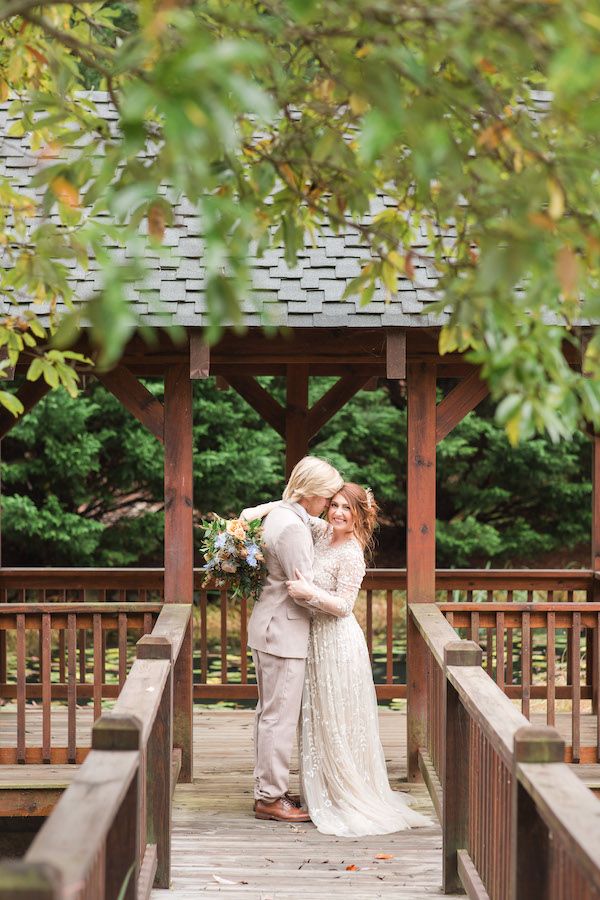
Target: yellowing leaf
x=358 y=104
x=363 y=51
x=447 y=341
x=513 y=429
x=64 y=191
x=156 y=221
x=383 y=856
x=556 y=207
x=567 y=270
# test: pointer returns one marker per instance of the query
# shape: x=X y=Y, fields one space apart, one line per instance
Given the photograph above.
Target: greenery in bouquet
x=233 y=553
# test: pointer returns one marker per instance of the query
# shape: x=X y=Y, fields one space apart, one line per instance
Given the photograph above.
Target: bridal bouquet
x=232 y=550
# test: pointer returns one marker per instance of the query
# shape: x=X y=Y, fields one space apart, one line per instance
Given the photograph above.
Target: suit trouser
x=280 y=683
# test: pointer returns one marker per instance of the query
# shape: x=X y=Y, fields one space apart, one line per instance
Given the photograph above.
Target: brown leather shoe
x=282 y=810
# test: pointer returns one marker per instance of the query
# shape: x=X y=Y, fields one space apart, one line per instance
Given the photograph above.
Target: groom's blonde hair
x=312 y=477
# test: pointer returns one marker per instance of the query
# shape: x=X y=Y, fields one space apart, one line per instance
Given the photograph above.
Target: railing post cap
x=152 y=646
x=116 y=731
x=538 y=744
x=30 y=880
x=462 y=653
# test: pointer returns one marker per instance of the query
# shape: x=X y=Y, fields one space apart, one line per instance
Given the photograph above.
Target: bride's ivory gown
x=343 y=774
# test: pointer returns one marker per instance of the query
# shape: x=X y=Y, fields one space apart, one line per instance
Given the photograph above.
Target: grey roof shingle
x=308 y=295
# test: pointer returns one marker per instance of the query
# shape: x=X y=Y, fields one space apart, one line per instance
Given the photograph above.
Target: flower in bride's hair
x=370 y=498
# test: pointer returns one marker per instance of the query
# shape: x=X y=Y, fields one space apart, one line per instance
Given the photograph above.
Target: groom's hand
x=300 y=588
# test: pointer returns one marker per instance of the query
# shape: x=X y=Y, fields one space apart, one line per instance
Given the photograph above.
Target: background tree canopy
x=83 y=480
x=277 y=117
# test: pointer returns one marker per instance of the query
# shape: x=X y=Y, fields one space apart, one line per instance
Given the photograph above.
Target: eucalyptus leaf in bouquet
x=232 y=549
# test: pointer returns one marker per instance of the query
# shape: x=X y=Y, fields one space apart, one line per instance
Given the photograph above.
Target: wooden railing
x=109 y=834
x=514 y=634
x=516 y=820
x=58 y=637
x=223 y=668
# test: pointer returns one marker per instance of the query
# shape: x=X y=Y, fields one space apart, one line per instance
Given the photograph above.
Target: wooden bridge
x=99 y=741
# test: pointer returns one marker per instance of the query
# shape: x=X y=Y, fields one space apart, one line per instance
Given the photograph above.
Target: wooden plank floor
x=220 y=848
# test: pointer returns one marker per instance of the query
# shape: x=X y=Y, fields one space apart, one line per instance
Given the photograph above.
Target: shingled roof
x=308 y=295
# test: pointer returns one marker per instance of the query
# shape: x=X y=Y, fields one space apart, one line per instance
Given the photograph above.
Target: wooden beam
x=179 y=554
x=296 y=417
x=179 y=543
x=221 y=383
x=395 y=354
x=199 y=355
x=333 y=400
x=260 y=400
x=136 y=398
x=30 y=393
x=420 y=542
x=461 y=400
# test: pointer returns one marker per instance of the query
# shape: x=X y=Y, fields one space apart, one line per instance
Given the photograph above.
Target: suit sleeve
x=294 y=551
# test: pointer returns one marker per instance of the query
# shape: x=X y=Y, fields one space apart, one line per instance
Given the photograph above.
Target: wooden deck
x=218 y=846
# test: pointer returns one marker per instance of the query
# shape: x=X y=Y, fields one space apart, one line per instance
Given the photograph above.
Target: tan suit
x=278 y=635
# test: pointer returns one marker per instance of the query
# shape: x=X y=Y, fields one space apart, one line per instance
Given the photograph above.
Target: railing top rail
x=489 y=707
x=36 y=609
x=500 y=606
x=434 y=628
x=153 y=578
x=172 y=624
x=83 y=816
x=141 y=694
x=569 y=809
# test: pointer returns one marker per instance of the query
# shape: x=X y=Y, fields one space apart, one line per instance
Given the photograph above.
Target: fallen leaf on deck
x=384 y=856
x=220 y=880
x=351 y=868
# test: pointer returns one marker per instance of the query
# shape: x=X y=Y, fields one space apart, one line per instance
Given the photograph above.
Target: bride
x=343 y=774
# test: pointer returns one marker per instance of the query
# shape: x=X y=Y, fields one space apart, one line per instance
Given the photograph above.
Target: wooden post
x=420 y=542
x=296 y=416
x=158 y=764
x=179 y=537
x=530 y=850
x=455 y=775
x=21 y=880
x=125 y=840
x=592 y=661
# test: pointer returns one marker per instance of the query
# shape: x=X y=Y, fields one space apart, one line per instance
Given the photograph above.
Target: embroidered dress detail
x=342 y=764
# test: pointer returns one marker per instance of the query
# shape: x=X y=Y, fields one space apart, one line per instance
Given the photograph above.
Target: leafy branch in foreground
x=478 y=119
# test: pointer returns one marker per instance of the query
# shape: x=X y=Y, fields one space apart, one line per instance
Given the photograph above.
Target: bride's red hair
x=364 y=509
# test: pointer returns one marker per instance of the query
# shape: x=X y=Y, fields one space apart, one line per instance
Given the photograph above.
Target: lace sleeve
x=318 y=526
x=351 y=572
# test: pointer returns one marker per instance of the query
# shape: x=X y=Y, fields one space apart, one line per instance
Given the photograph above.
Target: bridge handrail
x=483 y=758
x=111 y=830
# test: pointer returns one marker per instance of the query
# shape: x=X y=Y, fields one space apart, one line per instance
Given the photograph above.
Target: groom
x=278 y=635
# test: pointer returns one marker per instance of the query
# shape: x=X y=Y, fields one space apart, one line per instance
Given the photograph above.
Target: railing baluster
x=525 y=663
x=72 y=688
x=597 y=682
x=244 y=640
x=98 y=647
x=576 y=706
x=509 y=645
x=122 y=628
x=389 y=637
x=369 y=624
x=500 y=650
x=224 y=637
x=21 y=689
x=551 y=670
x=203 y=638
x=46 y=673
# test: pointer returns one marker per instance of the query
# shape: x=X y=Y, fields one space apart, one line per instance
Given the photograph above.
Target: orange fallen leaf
x=384 y=856
x=352 y=868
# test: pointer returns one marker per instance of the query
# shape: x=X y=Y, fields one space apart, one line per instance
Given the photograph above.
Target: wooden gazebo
x=485 y=767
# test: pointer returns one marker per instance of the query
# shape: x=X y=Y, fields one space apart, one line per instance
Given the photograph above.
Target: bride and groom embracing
x=312 y=664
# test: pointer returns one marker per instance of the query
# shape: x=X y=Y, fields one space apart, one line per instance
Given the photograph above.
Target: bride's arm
x=317 y=526
x=259 y=512
x=340 y=602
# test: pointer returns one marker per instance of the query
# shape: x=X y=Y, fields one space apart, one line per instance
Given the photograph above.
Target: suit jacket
x=278 y=625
